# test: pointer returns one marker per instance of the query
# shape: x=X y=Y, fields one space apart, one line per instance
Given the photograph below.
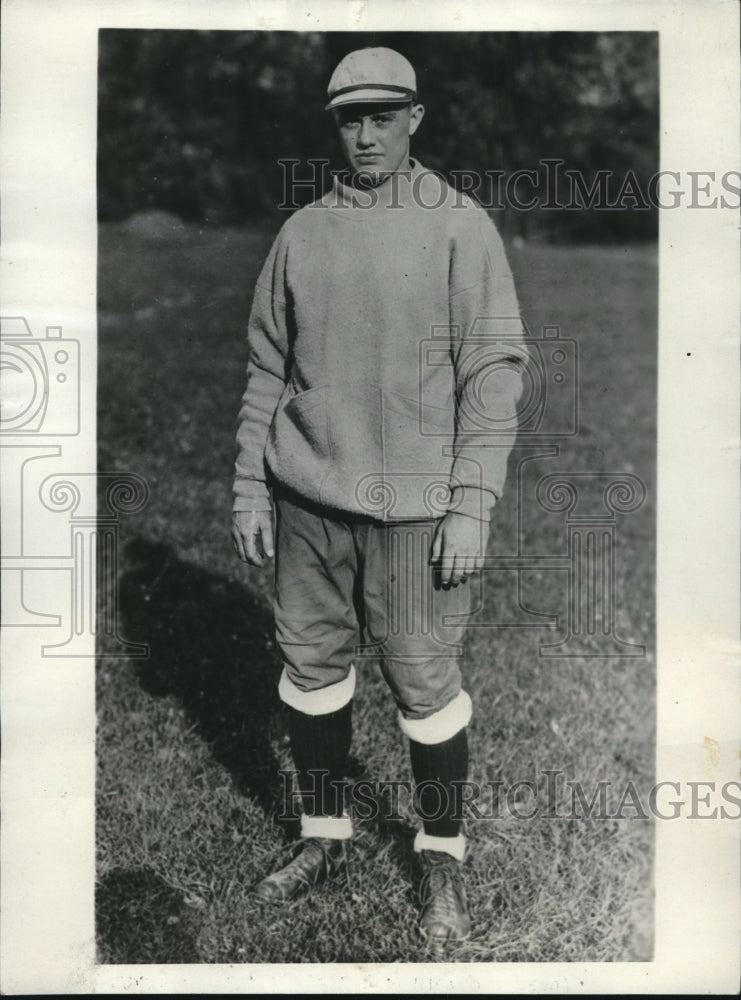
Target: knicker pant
x=344 y=578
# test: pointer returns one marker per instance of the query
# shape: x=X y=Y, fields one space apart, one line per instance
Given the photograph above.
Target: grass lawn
x=190 y=739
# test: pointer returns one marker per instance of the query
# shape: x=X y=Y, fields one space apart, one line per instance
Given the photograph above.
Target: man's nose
x=366 y=136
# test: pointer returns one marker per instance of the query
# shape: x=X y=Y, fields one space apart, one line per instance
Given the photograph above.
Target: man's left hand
x=459 y=547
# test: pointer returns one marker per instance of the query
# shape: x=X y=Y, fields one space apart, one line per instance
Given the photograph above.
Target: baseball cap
x=367 y=75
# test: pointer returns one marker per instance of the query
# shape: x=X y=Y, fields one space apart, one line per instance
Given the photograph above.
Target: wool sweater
x=386 y=355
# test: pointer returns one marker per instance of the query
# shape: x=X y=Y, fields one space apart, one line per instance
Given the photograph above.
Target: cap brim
x=370 y=96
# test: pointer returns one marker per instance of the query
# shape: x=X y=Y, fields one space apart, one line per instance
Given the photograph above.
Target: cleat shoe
x=443 y=917
x=319 y=859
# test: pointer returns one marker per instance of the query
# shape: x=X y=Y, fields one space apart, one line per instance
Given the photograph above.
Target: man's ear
x=415 y=117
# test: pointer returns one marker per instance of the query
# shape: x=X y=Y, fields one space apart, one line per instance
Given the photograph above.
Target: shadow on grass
x=210 y=647
x=141 y=919
x=391 y=830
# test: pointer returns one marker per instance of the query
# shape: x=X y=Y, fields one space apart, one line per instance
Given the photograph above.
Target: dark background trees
x=195 y=122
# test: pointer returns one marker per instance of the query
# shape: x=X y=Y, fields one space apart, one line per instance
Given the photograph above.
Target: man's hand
x=252 y=535
x=459 y=547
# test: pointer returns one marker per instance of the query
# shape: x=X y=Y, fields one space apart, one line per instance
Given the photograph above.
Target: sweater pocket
x=298 y=449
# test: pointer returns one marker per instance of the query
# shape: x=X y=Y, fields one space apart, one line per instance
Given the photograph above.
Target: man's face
x=375 y=137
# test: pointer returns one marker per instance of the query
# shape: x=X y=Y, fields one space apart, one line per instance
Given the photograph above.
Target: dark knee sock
x=442 y=763
x=320 y=743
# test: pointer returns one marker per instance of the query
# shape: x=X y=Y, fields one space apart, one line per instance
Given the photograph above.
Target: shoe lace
x=304 y=866
x=315 y=849
x=441 y=881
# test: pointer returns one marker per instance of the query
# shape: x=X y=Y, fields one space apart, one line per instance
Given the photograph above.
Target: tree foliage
x=195 y=122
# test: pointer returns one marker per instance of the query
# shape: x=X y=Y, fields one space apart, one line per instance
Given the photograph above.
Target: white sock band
x=334 y=827
x=442 y=725
x=322 y=701
x=454 y=846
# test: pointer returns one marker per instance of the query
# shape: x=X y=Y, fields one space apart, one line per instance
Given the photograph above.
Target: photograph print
x=377 y=358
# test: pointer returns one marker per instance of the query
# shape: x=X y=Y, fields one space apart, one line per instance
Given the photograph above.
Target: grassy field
x=189 y=739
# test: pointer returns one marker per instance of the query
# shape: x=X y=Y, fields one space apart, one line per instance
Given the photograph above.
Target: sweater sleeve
x=266 y=378
x=489 y=356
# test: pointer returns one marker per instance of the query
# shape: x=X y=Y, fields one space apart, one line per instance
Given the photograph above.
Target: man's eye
x=383 y=119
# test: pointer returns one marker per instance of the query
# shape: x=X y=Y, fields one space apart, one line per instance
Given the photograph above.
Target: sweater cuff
x=250 y=494
x=472 y=501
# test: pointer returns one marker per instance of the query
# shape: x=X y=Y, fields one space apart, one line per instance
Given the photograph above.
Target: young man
x=384 y=335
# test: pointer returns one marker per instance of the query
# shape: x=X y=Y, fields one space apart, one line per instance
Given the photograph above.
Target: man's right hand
x=252 y=535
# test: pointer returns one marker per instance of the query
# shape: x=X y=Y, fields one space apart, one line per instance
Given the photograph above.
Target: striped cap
x=372 y=75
